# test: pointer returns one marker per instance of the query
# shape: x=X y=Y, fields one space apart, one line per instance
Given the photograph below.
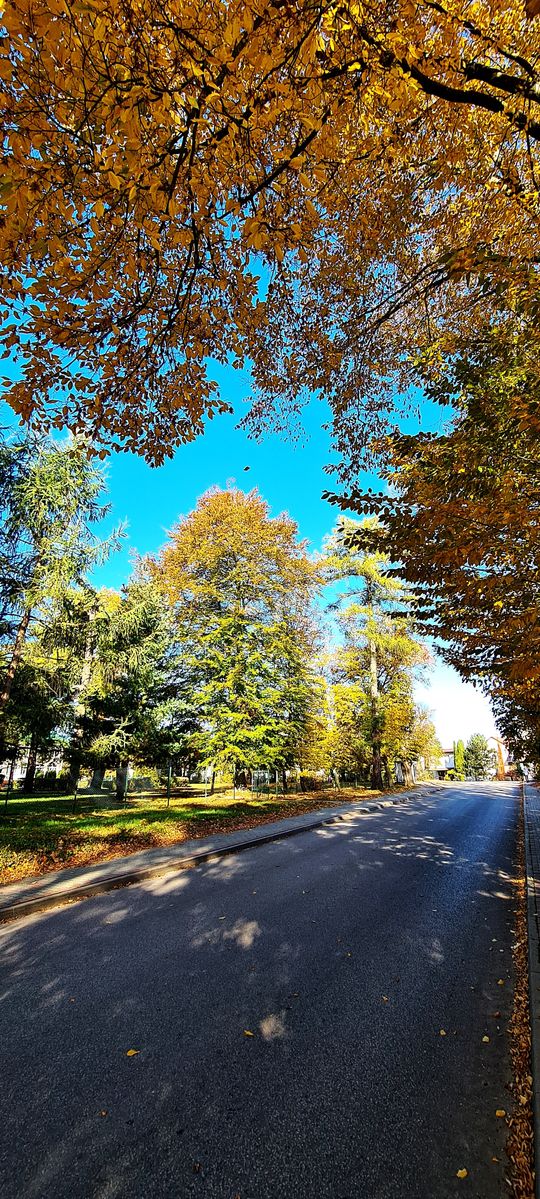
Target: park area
x=43 y=833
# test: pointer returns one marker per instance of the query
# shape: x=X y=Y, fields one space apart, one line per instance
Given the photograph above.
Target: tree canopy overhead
x=375 y=162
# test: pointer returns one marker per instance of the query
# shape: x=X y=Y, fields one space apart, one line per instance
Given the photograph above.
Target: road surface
x=346 y=952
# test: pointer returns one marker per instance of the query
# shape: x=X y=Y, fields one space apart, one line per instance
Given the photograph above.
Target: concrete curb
x=112 y=882
x=533 y=929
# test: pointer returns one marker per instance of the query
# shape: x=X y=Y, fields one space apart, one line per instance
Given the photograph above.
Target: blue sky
x=290 y=475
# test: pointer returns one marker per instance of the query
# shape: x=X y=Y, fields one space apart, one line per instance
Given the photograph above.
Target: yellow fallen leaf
x=500 y=1112
x=500 y=982
x=485 y=1040
x=132 y=1052
x=495 y=1159
x=442 y=1032
x=247 y=1033
x=462 y=1173
x=104 y=1112
x=385 y=998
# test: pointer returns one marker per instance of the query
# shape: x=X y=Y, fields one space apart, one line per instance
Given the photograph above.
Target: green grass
x=42 y=833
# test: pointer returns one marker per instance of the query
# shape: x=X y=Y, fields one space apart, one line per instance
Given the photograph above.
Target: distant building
x=442 y=764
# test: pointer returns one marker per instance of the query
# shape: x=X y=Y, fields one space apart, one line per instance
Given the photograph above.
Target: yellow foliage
x=383 y=168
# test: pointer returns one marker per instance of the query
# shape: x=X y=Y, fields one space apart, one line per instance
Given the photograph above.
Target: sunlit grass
x=43 y=832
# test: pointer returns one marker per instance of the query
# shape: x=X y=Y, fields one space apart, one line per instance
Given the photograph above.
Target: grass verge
x=41 y=834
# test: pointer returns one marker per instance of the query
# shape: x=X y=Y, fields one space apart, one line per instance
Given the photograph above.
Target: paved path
x=344 y=950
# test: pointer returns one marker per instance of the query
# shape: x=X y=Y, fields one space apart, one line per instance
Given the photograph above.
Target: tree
x=379 y=161
x=347 y=745
x=479 y=759
x=379 y=650
x=131 y=703
x=461 y=515
x=50 y=502
x=459 y=758
x=242 y=585
x=36 y=715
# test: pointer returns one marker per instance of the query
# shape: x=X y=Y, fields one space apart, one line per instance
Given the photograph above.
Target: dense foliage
x=376 y=164
x=215 y=656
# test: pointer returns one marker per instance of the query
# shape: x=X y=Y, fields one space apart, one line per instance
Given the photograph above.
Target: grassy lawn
x=42 y=833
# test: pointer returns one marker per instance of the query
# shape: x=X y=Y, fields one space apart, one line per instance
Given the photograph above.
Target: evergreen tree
x=479 y=759
x=459 y=758
x=50 y=501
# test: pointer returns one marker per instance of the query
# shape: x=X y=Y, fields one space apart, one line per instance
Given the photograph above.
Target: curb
x=533 y=930
x=29 y=907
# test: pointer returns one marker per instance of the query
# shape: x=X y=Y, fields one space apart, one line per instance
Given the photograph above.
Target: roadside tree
x=241 y=586
x=479 y=760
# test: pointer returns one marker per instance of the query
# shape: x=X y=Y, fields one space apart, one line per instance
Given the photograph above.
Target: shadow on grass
x=38 y=835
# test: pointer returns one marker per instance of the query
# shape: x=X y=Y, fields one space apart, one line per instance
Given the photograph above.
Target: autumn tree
x=379 y=651
x=242 y=585
x=347 y=740
x=376 y=164
x=461 y=515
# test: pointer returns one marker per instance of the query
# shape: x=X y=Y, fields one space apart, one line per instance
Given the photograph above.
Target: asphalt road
x=344 y=951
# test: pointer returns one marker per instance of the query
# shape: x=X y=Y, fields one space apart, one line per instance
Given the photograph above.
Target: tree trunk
x=213 y=783
x=376 y=779
x=16 y=656
x=284 y=780
x=31 y=767
x=386 y=771
x=96 y=781
x=122 y=780
x=9 y=786
x=75 y=753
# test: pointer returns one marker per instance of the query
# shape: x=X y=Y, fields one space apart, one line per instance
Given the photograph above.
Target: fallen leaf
x=442 y=1032
x=132 y=1052
x=385 y=998
x=501 y=982
x=462 y=1173
x=104 y=1112
x=485 y=1040
x=197 y=1167
x=247 y=1033
x=500 y=1112
x=495 y=1159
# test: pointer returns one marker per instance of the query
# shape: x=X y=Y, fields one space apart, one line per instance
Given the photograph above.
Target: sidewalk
x=36 y=894
x=532 y=859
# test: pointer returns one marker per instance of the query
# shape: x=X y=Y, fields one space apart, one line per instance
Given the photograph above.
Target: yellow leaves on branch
x=152 y=151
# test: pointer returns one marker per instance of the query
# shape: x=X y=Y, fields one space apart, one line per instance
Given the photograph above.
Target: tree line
x=232 y=650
